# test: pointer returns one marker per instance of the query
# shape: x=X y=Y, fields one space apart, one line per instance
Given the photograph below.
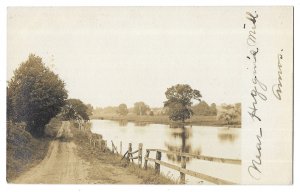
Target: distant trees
x=140 y=108
x=179 y=101
x=34 y=95
x=122 y=109
x=230 y=113
x=75 y=109
x=213 y=109
x=90 y=109
x=107 y=110
x=204 y=109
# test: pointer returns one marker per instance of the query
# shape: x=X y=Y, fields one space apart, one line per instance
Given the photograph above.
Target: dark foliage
x=179 y=101
x=34 y=95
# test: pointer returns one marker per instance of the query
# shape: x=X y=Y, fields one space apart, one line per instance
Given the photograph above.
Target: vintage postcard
x=149 y=95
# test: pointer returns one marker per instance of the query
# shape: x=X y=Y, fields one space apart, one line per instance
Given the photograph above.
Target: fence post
x=183 y=165
x=157 y=165
x=129 y=151
x=105 y=145
x=121 y=147
x=140 y=154
x=112 y=147
x=146 y=161
x=100 y=144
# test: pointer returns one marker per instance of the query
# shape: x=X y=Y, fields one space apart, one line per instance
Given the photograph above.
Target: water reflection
x=226 y=136
x=123 y=123
x=140 y=124
x=203 y=140
x=179 y=140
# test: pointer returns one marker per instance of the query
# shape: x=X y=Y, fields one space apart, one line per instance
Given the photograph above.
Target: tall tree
x=230 y=113
x=179 y=101
x=140 y=108
x=122 y=109
x=202 y=108
x=213 y=109
x=36 y=94
x=90 y=109
x=75 y=109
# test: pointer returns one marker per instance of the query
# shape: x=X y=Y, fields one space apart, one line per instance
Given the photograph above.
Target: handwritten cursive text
x=276 y=88
x=254 y=169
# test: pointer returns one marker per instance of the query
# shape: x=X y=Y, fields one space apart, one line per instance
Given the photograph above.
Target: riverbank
x=68 y=159
x=108 y=168
x=23 y=151
x=195 y=120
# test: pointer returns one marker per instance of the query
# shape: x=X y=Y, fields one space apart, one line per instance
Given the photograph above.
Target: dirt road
x=62 y=165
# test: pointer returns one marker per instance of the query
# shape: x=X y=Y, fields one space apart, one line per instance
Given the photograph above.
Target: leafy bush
x=23 y=150
x=34 y=95
x=52 y=127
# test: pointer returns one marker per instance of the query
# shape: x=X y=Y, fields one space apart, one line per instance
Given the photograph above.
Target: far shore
x=195 y=120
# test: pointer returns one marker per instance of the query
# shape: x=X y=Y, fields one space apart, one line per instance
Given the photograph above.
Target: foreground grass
x=23 y=151
x=96 y=158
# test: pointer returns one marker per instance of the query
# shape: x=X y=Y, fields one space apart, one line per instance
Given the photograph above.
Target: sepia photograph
x=149 y=95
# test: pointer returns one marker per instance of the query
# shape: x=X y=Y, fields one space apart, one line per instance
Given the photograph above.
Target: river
x=204 y=140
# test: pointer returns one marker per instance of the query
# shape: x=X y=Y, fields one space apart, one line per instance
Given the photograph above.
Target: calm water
x=204 y=140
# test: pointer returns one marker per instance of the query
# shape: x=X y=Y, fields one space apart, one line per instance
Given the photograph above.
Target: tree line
x=179 y=106
x=141 y=108
x=35 y=95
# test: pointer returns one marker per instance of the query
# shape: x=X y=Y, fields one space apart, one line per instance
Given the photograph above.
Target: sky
x=113 y=55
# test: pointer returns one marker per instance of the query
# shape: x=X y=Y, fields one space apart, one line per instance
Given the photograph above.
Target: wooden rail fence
x=96 y=140
x=129 y=154
x=183 y=171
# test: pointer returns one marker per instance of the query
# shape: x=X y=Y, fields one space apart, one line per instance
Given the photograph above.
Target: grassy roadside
x=194 y=120
x=22 y=150
x=97 y=158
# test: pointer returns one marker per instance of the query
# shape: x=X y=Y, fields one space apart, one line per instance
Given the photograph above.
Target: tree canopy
x=179 y=101
x=90 y=109
x=230 y=113
x=34 y=95
x=140 y=108
x=204 y=109
x=122 y=109
x=75 y=109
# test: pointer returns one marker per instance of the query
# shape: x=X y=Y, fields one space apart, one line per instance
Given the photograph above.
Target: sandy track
x=62 y=165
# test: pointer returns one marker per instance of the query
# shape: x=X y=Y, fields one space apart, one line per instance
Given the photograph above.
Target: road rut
x=63 y=165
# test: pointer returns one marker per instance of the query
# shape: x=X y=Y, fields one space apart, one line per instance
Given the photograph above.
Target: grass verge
x=22 y=151
x=112 y=162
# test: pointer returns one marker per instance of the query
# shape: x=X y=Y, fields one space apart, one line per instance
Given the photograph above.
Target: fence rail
x=200 y=157
x=183 y=171
x=190 y=172
x=97 y=141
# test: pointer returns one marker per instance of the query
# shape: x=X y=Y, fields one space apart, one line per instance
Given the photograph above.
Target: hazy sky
x=108 y=56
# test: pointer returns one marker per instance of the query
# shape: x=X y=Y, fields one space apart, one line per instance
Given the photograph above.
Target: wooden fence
x=97 y=141
x=129 y=154
x=183 y=171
